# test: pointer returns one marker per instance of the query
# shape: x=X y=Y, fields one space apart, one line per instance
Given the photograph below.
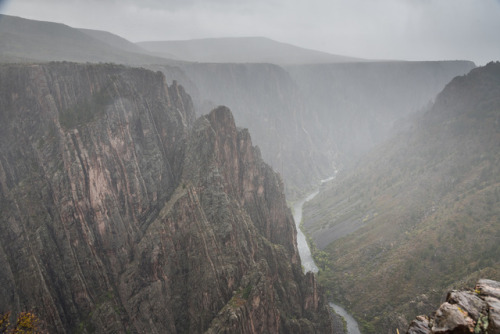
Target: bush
x=27 y=323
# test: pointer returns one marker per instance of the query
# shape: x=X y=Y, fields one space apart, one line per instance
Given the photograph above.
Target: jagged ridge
x=120 y=213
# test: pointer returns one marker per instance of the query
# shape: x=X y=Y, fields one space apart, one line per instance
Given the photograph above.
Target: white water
x=304 y=251
x=308 y=261
x=352 y=325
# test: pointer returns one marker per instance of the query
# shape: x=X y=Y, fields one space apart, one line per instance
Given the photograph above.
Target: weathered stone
x=487 y=287
x=465 y=312
x=493 y=315
x=419 y=326
x=450 y=318
x=467 y=301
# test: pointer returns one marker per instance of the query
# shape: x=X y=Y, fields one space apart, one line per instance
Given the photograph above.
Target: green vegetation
x=26 y=323
x=246 y=292
x=240 y=297
x=424 y=209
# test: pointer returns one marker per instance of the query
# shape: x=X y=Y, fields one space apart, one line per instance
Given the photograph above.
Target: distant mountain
x=30 y=40
x=421 y=213
x=113 y=40
x=241 y=50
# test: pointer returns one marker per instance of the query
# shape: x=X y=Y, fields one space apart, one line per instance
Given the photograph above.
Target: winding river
x=308 y=261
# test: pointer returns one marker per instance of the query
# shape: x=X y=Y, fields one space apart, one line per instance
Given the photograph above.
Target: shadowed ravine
x=308 y=261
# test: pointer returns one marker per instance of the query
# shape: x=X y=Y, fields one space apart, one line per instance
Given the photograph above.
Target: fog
x=418 y=189
x=383 y=29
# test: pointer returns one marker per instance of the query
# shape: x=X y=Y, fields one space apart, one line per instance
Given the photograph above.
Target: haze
x=383 y=29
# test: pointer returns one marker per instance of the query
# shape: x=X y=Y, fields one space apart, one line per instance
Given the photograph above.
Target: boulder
x=475 y=311
x=451 y=318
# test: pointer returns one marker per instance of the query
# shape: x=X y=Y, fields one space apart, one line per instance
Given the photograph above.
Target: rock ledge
x=475 y=311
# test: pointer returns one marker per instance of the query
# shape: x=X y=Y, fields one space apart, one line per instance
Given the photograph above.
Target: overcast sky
x=376 y=29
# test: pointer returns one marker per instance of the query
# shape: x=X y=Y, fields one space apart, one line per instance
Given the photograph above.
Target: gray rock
x=467 y=301
x=450 y=318
x=487 y=287
x=419 y=326
x=464 y=312
x=493 y=315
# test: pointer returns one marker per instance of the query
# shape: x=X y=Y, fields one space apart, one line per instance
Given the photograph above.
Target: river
x=308 y=261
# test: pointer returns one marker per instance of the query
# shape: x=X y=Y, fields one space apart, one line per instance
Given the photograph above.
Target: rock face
x=464 y=312
x=121 y=213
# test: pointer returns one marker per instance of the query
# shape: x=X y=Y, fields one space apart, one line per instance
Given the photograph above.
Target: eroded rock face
x=121 y=213
x=464 y=312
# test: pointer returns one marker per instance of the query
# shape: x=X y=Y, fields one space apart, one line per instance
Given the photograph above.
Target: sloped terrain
x=23 y=40
x=241 y=50
x=420 y=214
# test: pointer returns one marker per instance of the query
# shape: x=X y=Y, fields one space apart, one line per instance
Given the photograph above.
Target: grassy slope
x=427 y=208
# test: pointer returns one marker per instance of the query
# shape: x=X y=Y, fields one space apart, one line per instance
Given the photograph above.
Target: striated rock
x=487 y=287
x=419 y=326
x=467 y=301
x=464 y=312
x=121 y=213
x=450 y=318
x=493 y=314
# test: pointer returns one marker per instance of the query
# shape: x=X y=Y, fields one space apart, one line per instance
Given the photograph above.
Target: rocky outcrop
x=121 y=213
x=475 y=311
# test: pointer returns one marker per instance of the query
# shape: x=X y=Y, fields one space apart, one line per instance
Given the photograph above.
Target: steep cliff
x=265 y=99
x=120 y=212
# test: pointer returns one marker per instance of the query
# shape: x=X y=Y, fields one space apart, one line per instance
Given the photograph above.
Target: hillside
x=421 y=213
x=32 y=41
x=241 y=50
x=113 y=40
x=122 y=213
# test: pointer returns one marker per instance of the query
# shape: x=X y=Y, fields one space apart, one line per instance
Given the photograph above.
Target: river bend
x=308 y=261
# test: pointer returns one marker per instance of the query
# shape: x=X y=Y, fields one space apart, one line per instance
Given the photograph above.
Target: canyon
x=121 y=212
x=133 y=198
x=307 y=118
x=419 y=215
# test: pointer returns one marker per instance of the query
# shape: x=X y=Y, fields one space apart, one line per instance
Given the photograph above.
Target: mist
x=154 y=151
x=384 y=29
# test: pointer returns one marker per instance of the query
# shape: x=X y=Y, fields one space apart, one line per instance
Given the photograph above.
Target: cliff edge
x=122 y=213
